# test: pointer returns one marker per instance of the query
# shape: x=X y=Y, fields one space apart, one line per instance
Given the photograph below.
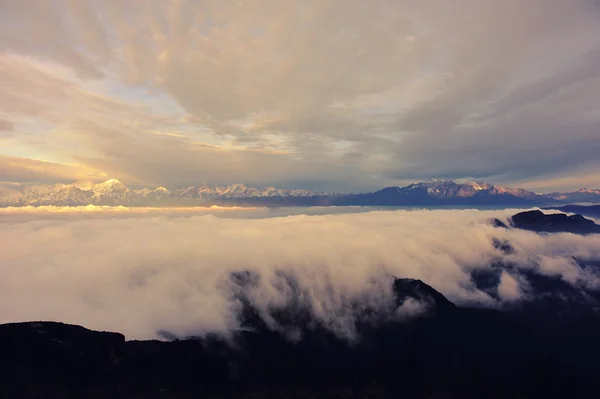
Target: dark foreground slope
x=448 y=352
x=458 y=353
x=543 y=348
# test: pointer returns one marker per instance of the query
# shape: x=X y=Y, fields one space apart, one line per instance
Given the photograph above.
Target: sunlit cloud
x=18 y=169
x=30 y=213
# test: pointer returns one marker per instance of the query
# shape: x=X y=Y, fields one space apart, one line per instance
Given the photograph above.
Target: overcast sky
x=341 y=95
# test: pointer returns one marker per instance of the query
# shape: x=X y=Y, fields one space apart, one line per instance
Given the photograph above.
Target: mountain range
x=431 y=193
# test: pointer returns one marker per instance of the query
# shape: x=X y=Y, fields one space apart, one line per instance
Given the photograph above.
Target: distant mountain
x=447 y=192
x=430 y=193
x=586 y=210
x=581 y=195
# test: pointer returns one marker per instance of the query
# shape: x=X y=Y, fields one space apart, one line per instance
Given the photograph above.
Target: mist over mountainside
x=431 y=193
x=171 y=270
x=472 y=304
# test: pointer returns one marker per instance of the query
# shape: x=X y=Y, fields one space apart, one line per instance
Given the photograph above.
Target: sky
x=336 y=95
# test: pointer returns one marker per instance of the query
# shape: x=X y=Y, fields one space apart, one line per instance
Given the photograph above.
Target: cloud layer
x=142 y=275
x=333 y=94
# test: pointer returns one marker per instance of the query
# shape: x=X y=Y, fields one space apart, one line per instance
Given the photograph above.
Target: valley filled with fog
x=145 y=271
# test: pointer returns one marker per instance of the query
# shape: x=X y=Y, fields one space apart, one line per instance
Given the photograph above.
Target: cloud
x=28 y=170
x=139 y=275
x=345 y=91
x=509 y=288
x=6 y=127
x=571 y=180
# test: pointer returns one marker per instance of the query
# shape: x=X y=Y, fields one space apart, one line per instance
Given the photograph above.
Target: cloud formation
x=16 y=169
x=317 y=94
x=171 y=272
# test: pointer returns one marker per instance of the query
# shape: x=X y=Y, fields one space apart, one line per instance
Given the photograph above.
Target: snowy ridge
x=450 y=189
x=114 y=193
x=582 y=195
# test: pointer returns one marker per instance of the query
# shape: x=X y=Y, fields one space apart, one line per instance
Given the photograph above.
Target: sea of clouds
x=143 y=271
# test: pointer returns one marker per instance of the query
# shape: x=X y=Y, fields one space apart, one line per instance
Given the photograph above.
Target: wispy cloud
x=19 y=169
x=359 y=95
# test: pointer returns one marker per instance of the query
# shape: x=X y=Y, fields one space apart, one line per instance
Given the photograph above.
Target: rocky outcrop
x=554 y=223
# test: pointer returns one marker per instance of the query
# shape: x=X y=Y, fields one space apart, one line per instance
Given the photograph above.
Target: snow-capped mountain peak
x=590 y=195
x=143 y=192
x=111 y=185
x=159 y=193
x=588 y=191
x=447 y=189
x=112 y=192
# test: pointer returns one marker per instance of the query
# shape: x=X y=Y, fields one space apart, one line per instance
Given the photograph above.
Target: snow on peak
x=144 y=191
x=111 y=181
x=478 y=186
x=586 y=190
x=111 y=185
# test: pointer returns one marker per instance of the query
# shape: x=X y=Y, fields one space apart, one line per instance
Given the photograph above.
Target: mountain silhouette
x=447 y=351
x=554 y=223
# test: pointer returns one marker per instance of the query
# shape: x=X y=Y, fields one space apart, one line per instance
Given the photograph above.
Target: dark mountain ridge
x=450 y=351
x=537 y=221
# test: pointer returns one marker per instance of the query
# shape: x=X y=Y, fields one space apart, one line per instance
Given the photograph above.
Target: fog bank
x=151 y=273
